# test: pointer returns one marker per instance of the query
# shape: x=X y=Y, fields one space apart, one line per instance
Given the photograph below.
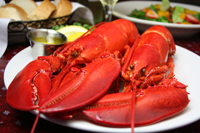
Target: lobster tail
x=128 y=29
x=164 y=32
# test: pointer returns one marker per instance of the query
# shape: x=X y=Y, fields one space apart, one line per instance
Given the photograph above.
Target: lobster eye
x=131 y=66
x=143 y=70
x=74 y=54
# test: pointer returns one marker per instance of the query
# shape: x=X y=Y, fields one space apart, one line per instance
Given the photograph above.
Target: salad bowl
x=124 y=8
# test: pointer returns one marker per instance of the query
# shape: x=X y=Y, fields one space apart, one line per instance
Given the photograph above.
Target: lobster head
x=153 y=49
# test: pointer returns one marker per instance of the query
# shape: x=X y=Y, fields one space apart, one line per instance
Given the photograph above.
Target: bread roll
x=43 y=11
x=12 y=11
x=63 y=8
x=27 y=5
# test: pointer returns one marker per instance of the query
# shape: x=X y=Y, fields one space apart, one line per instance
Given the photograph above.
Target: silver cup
x=41 y=49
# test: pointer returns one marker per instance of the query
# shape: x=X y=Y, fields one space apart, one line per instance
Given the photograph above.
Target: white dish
x=186 y=70
x=124 y=8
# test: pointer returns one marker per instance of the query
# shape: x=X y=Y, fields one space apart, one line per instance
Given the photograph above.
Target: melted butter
x=48 y=40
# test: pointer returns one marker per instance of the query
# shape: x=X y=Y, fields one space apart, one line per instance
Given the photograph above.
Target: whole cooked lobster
x=152 y=93
x=79 y=75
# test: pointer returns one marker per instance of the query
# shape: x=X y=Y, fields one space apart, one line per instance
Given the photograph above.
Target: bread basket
x=38 y=18
x=18 y=29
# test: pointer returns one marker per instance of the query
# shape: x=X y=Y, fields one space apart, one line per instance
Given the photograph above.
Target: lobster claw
x=159 y=102
x=112 y=109
x=151 y=105
x=91 y=83
x=28 y=86
x=32 y=84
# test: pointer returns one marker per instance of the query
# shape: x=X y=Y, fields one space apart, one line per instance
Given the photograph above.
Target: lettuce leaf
x=165 y=5
x=176 y=13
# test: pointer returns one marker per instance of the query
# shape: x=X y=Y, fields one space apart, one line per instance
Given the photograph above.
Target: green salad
x=56 y=27
x=165 y=13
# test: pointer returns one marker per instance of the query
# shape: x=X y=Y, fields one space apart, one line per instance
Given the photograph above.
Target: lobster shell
x=152 y=105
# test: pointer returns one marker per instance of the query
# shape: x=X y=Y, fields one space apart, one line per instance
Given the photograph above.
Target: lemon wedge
x=71 y=29
x=74 y=36
x=72 y=32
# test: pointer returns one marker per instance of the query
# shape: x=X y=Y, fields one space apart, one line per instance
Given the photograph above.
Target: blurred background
x=193 y=2
x=97 y=9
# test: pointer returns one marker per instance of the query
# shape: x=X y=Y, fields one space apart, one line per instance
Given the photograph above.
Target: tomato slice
x=151 y=14
x=192 y=19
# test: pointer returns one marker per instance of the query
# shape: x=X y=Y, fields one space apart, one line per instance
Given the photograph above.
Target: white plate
x=122 y=9
x=186 y=70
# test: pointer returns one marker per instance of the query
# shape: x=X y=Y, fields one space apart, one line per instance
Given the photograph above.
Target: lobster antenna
x=133 y=92
x=35 y=123
x=133 y=111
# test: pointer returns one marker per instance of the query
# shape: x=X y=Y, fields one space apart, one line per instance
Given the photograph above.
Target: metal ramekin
x=41 y=49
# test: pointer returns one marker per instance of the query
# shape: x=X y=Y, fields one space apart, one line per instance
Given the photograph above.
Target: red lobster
x=81 y=73
x=152 y=94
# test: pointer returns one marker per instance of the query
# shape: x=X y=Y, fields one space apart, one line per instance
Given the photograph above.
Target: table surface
x=12 y=120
